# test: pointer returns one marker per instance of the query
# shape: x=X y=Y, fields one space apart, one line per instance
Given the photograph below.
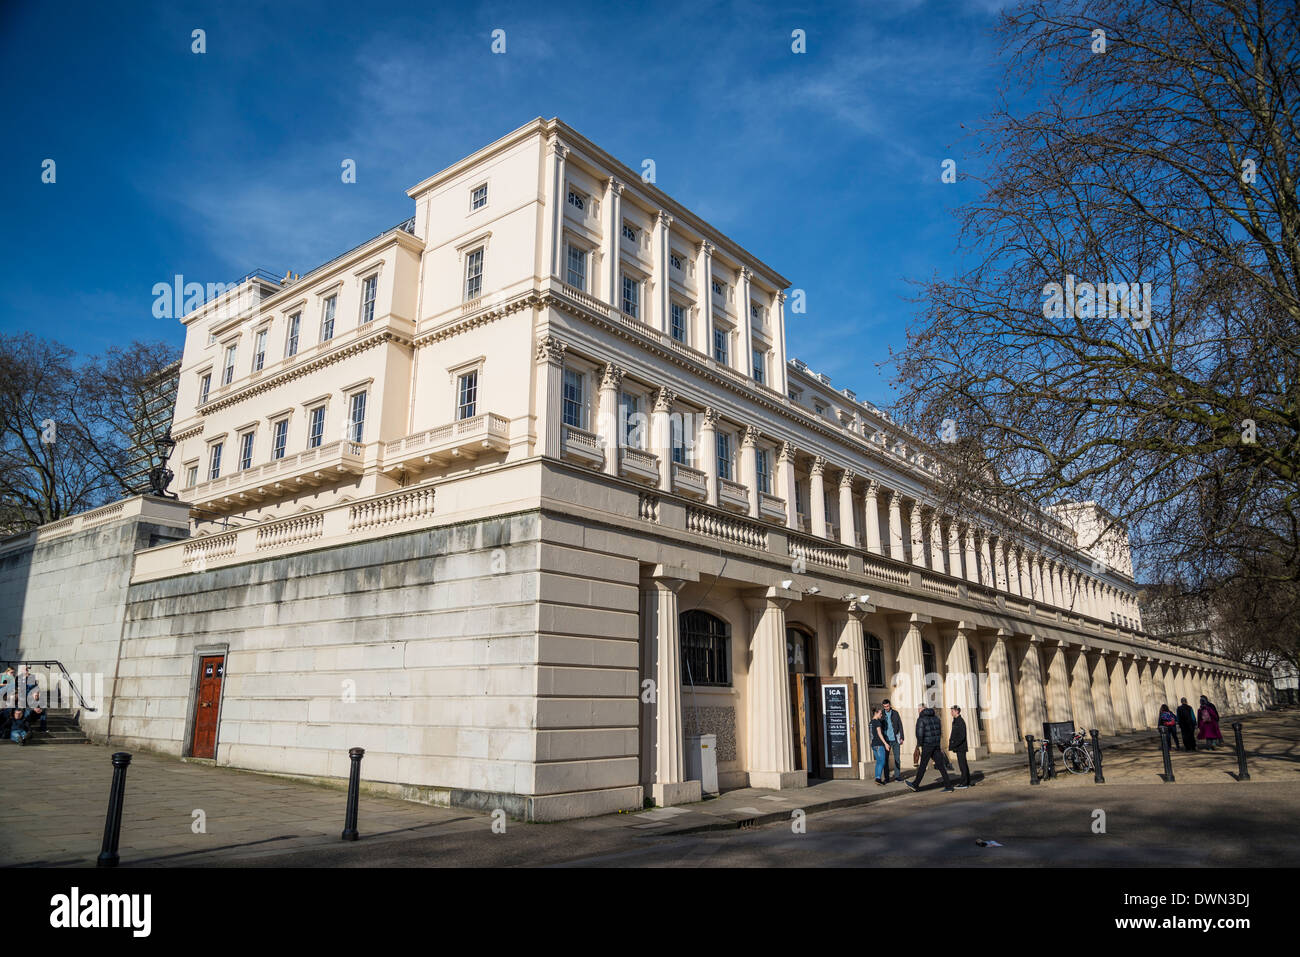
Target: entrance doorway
x=207 y=703
x=823 y=713
x=800 y=656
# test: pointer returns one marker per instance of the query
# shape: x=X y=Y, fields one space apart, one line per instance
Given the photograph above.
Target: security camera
x=813 y=590
x=787 y=583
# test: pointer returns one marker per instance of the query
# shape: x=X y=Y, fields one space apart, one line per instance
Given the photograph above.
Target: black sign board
x=835 y=721
x=1058 y=732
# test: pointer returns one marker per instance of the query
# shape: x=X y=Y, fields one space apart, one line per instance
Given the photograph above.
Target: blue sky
x=824 y=164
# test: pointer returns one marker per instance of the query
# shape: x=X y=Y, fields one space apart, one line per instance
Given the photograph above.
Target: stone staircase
x=64 y=727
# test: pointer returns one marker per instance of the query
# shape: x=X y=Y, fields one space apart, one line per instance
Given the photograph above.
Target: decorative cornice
x=489 y=313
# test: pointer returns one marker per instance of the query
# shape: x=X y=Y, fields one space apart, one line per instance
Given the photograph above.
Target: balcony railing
x=733 y=495
x=281 y=478
x=689 y=481
x=583 y=445
x=639 y=464
x=463 y=439
x=771 y=507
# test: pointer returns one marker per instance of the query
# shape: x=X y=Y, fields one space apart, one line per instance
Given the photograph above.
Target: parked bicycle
x=1078 y=754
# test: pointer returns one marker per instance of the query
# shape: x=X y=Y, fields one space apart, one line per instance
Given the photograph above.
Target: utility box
x=702 y=761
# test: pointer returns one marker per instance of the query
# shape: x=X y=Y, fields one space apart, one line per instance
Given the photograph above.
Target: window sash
x=279 y=436
x=720 y=350
x=228 y=374
x=246 y=451
x=467 y=399
x=327 y=319
x=574 y=404
x=678 y=322
x=259 y=351
x=724 y=455
x=356 y=416
x=205 y=386
x=631 y=296
x=764 y=471
x=478 y=199
x=474 y=274
x=291 y=344
x=760 y=365
x=705 y=644
x=316 y=427
x=214 y=461
x=369 y=287
x=577 y=271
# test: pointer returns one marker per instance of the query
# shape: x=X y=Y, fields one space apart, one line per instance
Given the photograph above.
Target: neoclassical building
x=527 y=497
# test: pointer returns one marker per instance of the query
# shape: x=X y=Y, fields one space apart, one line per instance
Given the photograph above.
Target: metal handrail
x=47 y=663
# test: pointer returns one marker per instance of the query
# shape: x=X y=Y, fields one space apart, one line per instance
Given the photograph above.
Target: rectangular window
x=279 y=437
x=760 y=365
x=327 y=318
x=228 y=375
x=369 y=287
x=578 y=268
x=357 y=417
x=291 y=342
x=706 y=650
x=474 y=274
x=214 y=461
x=724 y=455
x=717 y=288
x=675 y=260
x=631 y=297
x=259 y=351
x=467 y=396
x=677 y=323
x=678 y=439
x=192 y=476
x=246 y=451
x=629 y=232
x=720 y=346
x=577 y=200
x=763 y=464
x=205 y=386
x=316 y=427
x=575 y=406
x=478 y=199
x=629 y=407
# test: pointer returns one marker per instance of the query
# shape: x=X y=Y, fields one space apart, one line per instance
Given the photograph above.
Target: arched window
x=875 y=661
x=706 y=649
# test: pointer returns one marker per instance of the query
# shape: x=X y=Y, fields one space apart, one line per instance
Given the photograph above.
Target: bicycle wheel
x=1076 y=759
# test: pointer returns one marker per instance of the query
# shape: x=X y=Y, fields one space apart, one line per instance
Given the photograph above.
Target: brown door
x=207 y=701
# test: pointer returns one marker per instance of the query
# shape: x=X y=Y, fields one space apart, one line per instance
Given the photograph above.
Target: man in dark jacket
x=957 y=745
x=894 y=736
x=929 y=739
x=1187 y=724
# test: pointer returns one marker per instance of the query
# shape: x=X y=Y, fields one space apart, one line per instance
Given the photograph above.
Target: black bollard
x=1049 y=744
x=113 y=821
x=1096 y=757
x=1033 y=767
x=1164 y=751
x=1242 y=773
x=354 y=786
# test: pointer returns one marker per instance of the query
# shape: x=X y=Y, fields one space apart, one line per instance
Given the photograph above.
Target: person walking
x=893 y=737
x=929 y=747
x=1168 y=724
x=1207 y=724
x=1187 y=724
x=957 y=745
x=879 y=746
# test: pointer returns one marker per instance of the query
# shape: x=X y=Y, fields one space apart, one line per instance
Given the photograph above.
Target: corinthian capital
x=550 y=349
x=612 y=377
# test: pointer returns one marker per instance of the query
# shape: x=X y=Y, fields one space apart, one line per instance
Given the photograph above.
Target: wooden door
x=206 y=705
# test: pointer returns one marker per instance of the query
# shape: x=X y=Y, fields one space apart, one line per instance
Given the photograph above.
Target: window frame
x=370 y=283
x=316 y=437
x=585 y=255
x=356 y=428
x=726 y=464
x=581 y=403
x=474 y=204
x=624 y=279
x=704 y=644
x=472 y=404
x=675 y=311
x=246 y=442
x=481 y=252
x=279 y=438
x=328 y=314
x=292 y=334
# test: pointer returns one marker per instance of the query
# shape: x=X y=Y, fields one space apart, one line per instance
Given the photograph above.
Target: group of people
x=887 y=740
x=21 y=711
x=1203 y=725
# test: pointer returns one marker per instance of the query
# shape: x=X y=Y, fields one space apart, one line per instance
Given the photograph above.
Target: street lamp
x=160 y=476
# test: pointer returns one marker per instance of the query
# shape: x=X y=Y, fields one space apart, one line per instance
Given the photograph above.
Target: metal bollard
x=1164 y=751
x=1051 y=759
x=354 y=787
x=113 y=821
x=1033 y=769
x=1096 y=757
x=1242 y=773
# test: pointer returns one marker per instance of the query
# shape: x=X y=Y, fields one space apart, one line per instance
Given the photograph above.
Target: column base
x=677 y=792
x=778 y=780
x=1006 y=747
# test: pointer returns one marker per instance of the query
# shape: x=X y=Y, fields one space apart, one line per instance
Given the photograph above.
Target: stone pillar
x=608 y=427
x=708 y=460
x=1022 y=561
x=663 y=222
x=1004 y=737
x=1013 y=569
x=1000 y=566
x=986 y=562
x=850 y=661
x=895 y=528
x=749 y=465
x=785 y=465
x=817 y=497
x=704 y=290
x=1058 y=592
x=610 y=241
x=972 y=563
x=1150 y=696
x=1137 y=695
x=918 y=540
x=871 y=513
x=1119 y=693
x=848 y=533
x=954 y=550
x=661 y=428
x=770 y=737
x=909 y=681
x=1036 y=578
x=961 y=683
x=745 y=347
x=1169 y=682
x=547 y=400
x=1033 y=698
x=1103 y=708
x=936 y=541
x=662 y=747
x=555 y=232
x=1058 y=683
x=779 y=380
x=1081 y=691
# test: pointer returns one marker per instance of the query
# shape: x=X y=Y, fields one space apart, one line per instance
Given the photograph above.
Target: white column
x=936 y=541
x=745 y=347
x=553 y=256
x=704 y=296
x=895 y=528
x=1081 y=697
x=709 y=452
x=1033 y=694
x=871 y=513
x=608 y=431
x=909 y=681
x=848 y=533
x=1119 y=700
x=612 y=239
x=662 y=745
x=661 y=428
x=1003 y=735
x=546 y=401
x=817 y=497
x=1059 y=707
x=1036 y=578
x=785 y=465
x=1137 y=696
x=749 y=465
x=972 y=563
x=987 y=577
x=662 y=224
x=770 y=738
x=954 y=550
x=1022 y=561
x=999 y=566
x=961 y=683
x=918 y=539
x=779 y=380
x=850 y=661
x=1102 y=704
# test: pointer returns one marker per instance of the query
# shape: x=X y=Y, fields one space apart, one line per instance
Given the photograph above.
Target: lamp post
x=160 y=476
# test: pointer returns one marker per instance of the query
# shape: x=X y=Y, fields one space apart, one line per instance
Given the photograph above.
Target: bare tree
x=1130 y=328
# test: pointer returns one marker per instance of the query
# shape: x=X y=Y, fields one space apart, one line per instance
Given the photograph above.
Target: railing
x=214 y=546
x=648 y=508
x=733 y=491
x=771 y=506
x=689 y=479
x=810 y=550
x=49 y=663
x=392 y=509
x=724 y=527
x=337 y=453
x=885 y=571
x=291 y=531
x=585 y=299
x=645 y=460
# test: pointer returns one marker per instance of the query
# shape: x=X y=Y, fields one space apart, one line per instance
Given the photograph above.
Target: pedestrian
x=1207 y=724
x=1187 y=724
x=893 y=737
x=957 y=745
x=929 y=746
x=879 y=746
x=1168 y=724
